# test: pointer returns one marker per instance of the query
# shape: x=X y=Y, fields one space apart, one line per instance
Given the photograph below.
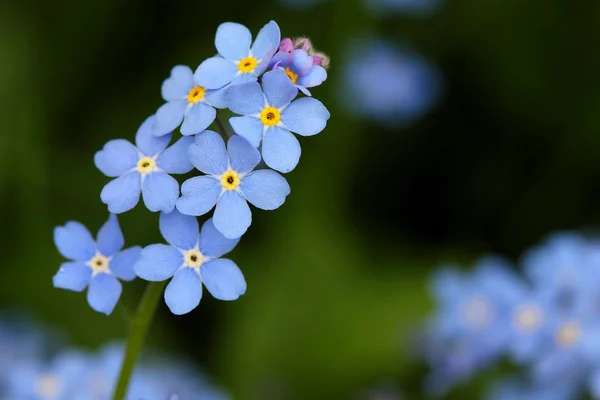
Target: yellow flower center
x=527 y=318
x=196 y=94
x=568 y=334
x=48 y=387
x=230 y=180
x=478 y=313
x=193 y=258
x=146 y=165
x=292 y=75
x=99 y=264
x=247 y=65
x=270 y=116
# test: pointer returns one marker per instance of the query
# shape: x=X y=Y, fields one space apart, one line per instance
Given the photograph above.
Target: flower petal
x=117 y=157
x=242 y=156
x=267 y=40
x=314 y=78
x=178 y=85
x=217 y=97
x=302 y=63
x=110 y=237
x=184 y=292
x=160 y=192
x=208 y=153
x=249 y=127
x=158 y=262
x=280 y=149
x=179 y=230
x=198 y=195
x=246 y=98
x=232 y=215
x=265 y=189
x=103 y=293
x=176 y=158
x=282 y=59
x=223 y=279
x=198 y=118
x=212 y=242
x=121 y=264
x=233 y=40
x=74 y=241
x=73 y=276
x=278 y=88
x=147 y=142
x=305 y=116
x=169 y=116
x=123 y=193
x=215 y=72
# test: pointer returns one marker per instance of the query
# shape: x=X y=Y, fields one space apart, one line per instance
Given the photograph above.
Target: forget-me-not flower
x=237 y=62
x=191 y=259
x=270 y=115
x=95 y=264
x=229 y=183
x=299 y=66
x=143 y=169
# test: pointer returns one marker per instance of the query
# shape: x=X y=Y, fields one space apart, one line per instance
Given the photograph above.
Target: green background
x=337 y=276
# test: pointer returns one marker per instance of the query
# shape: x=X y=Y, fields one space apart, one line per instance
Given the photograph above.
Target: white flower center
x=48 y=387
x=193 y=258
x=478 y=312
x=99 y=264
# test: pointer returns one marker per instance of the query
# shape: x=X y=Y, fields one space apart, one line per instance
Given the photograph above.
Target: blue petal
x=208 y=153
x=217 y=98
x=74 y=241
x=264 y=63
x=160 y=192
x=110 y=237
x=265 y=189
x=267 y=40
x=73 y=276
x=282 y=59
x=302 y=62
x=246 y=98
x=123 y=193
x=158 y=262
x=179 y=84
x=198 y=118
x=184 y=292
x=176 y=158
x=179 y=230
x=314 y=78
x=212 y=242
x=215 y=72
x=305 y=116
x=223 y=279
x=147 y=142
x=169 y=116
x=280 y=149
x=249 y=127
x=198 y=195
x=233 y=41
x=278 y=88
x=117 y=157
x=232 y=215
x=121 y=265
x=103 y=293
x=242 y=156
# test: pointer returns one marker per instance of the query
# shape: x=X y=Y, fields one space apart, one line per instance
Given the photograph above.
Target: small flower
x=144 y=169
x=187 y=101
x=272 y=116
x=191 y=259
x=97 y=264
x=230 y=182
x=237 y=61
x=300 y=68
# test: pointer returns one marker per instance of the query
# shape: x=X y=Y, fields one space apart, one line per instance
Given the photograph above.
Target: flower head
x=97 y=264
x=143 y=169
x=270 y=115
x=300 y=68
x=192 y=258
x=229 y=183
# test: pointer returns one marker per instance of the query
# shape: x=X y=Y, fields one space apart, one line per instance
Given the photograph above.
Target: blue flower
x=97 y=264
x=237 y=61
x=229 y=183
x=144 y=169
x=298 y=65
x=187 y=101
x=192 y=258
x=272 y=116
x=521 y=390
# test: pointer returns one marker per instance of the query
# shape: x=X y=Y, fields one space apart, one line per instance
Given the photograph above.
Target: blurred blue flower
x=522 y=390
x=20 y=341
x=272 y=116
x=97 y=264
x=143 y=169
x=192 y=258
x=237 y=62
x=229 y=183
x=299 y=66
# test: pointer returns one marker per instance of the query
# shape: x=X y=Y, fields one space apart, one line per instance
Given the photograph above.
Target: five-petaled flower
x=270 y=116
x=143 y=169
x=97 y=264
x=230 y=182
x=192 y=258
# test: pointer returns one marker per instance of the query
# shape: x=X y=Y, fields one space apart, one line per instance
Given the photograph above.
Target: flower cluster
x=258 y=80
x=546 y=323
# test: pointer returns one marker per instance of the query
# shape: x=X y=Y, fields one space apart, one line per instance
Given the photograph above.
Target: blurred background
x=458 y=129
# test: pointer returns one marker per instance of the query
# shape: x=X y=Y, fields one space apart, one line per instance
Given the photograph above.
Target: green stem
x=139 y=327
